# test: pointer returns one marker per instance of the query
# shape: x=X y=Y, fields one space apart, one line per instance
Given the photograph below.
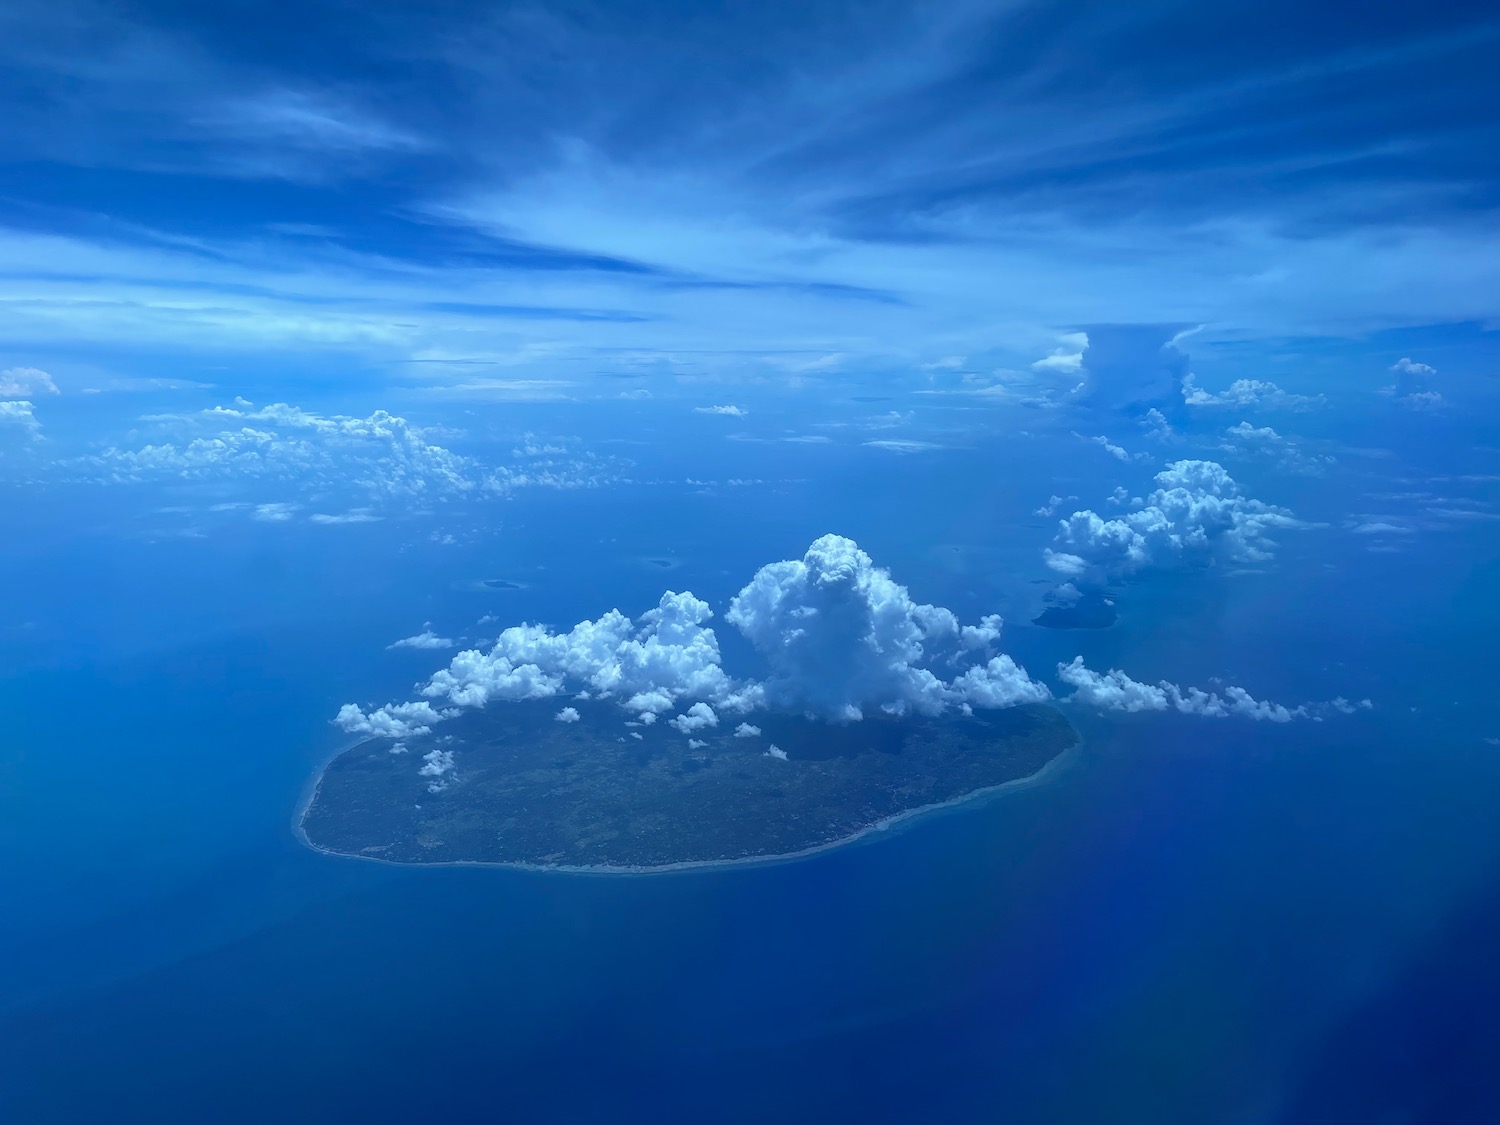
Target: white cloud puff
x=730 y=410
x=1115 y=691
x=840 y=634
x=19 y=416
x=25 y=382
x=695 y=718
x=567 y=715
x=426 y=639
x=745 y=730
x=776 y=752
x=1196 y=511
x=1412 y=387
x=394 y=720
x=1263 y=442
x=1247 y=394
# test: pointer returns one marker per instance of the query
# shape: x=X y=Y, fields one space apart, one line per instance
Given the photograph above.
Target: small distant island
x=1083 y=611
x=597 y=795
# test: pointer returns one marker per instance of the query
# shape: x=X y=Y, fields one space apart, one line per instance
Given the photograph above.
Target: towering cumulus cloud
x=1197 y=512
x=839 y=635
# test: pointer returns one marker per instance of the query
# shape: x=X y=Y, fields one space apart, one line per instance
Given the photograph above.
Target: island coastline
x=870 y=833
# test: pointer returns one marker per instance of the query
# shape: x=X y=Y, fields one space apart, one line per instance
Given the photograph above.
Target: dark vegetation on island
x=527 y=789
x=502 y=584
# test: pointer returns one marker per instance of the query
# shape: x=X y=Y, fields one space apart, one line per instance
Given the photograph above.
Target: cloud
x=436 y=763
x=693 y=743
x=839 y=636
x=25 y=382
x=901 y=445
x=380 y=458
x=1406 y=366
x=426 y=639
x=697 y=717
x=1412 y=388
x=567 y=715
x=394 y=720
x=1264 y=443
x=774 y=751
x=1049 y=509
x=274 y=513
x=1115 y=691
x=1156 y=425
x=1197 y=512
x=646 y=665
x=1248 y=394
x=357 y=515
x=1119 y=453
x=731 y=411
x=18 y=415
x=1066 y=359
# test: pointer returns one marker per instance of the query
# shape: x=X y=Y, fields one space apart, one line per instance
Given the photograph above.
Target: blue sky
x=512 y=201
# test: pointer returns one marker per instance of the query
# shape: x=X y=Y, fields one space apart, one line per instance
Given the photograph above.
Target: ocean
x=1193 y=921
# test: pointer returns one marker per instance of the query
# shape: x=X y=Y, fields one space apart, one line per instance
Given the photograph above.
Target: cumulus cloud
x=1119 y=453
x=646 y=665
x=25 y=382
x=1115 y=691
x=730 y=410
x=567 y=715
x=1197 y=512
x=426 y=639
x=379 y=457
x=695 y=718
x=1156 y=425
x=17 y=417
x=436 y=764
x=394 y=720
x=1067 y=357
x=1247 y=394
x=839 y=635
x=1264 y=443
x=774 y=751
x=1412 y=387
x=1054 y=501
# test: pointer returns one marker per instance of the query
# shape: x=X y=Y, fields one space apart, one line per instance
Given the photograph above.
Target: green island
x=595 y=794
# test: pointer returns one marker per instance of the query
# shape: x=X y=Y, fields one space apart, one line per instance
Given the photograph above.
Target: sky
x=517 y=200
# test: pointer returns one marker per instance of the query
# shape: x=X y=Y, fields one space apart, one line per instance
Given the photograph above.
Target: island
x=1082 y=611
x=591 y=791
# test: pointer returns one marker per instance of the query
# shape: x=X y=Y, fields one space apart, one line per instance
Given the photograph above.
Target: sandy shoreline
x=879 y=829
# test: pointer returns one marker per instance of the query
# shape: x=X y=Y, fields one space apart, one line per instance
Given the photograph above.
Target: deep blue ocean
x=1193 y=921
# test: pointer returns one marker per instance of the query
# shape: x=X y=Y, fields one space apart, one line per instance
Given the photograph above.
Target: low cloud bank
x=839 y=635
x=1115 y=691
